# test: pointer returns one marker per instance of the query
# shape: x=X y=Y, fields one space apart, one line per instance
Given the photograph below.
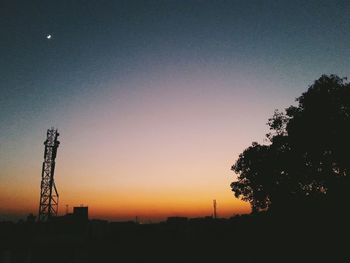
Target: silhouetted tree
x=306 y=161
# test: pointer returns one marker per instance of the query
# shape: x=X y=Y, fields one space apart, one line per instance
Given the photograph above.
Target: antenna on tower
x=214 y=207
x=48 y=206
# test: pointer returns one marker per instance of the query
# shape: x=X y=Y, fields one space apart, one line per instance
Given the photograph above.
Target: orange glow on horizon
x=151 y=205
x=146 y=206
x=163 y=150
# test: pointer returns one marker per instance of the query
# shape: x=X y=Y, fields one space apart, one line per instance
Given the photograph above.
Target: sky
x=154 y=100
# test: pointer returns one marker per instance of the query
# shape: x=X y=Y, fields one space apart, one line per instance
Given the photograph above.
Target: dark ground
x=262 y=238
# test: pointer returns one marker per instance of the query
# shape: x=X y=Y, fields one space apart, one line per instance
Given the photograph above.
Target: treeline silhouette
x=304 y=169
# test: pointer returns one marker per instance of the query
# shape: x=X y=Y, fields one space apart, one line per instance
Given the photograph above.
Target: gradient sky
x=154 y=100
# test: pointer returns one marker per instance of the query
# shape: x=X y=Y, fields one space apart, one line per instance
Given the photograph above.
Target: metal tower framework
x=48 y=207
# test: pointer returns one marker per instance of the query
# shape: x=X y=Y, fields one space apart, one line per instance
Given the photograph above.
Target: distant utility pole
x=48 y=192
x=214 y=206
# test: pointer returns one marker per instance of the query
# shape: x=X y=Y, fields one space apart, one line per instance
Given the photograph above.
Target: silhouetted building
x=81 y=213
x=206 y=219
x=176 y=219
x=31 y=218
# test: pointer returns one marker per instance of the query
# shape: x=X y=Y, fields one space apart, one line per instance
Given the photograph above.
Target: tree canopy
x=306 y=162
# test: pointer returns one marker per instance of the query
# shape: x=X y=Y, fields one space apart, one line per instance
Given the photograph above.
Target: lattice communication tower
x=48 y=207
